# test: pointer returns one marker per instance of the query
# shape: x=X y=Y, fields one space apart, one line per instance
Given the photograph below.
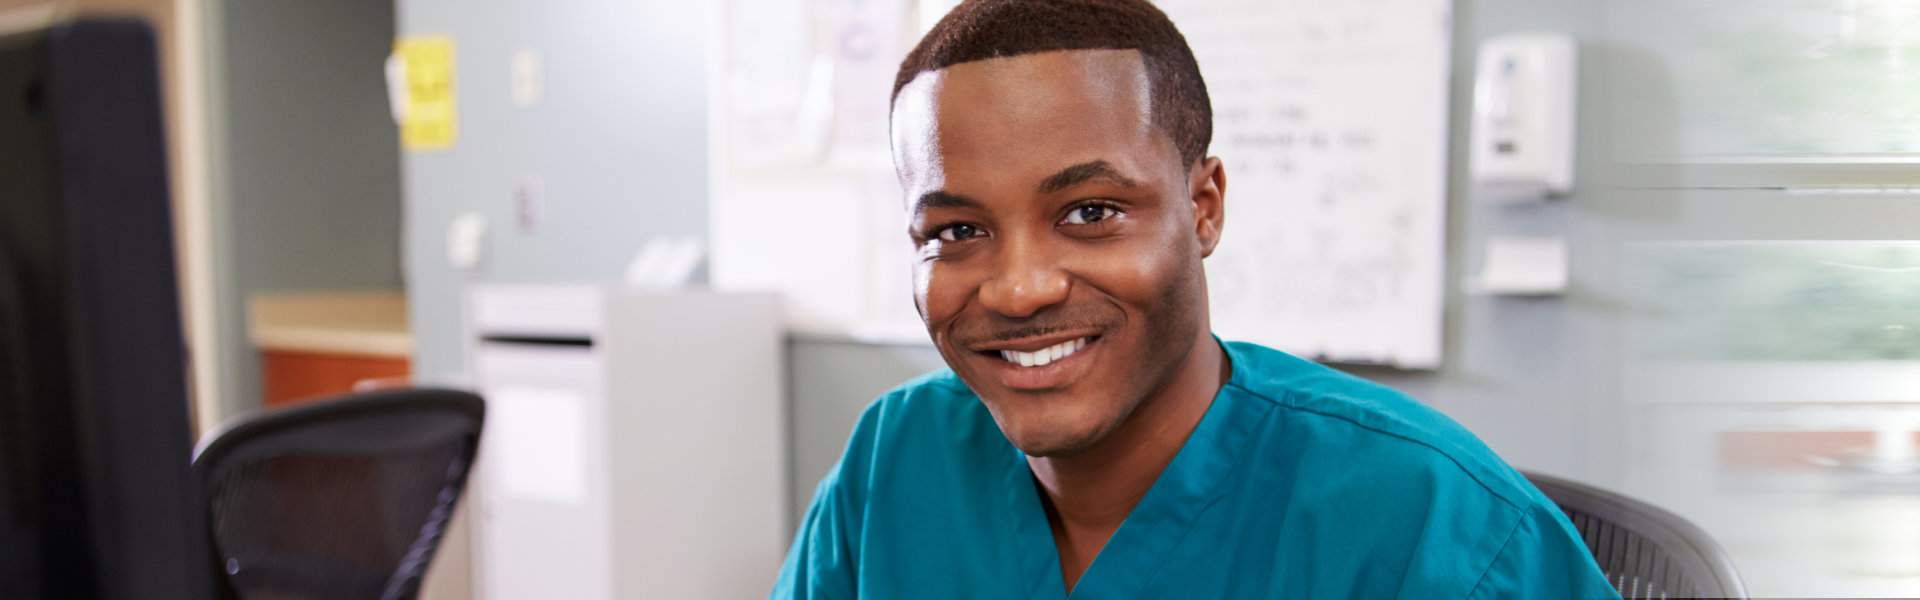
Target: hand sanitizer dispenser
x=1523 y=117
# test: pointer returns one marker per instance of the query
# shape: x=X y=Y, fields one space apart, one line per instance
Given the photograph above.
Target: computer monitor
x=96 y=496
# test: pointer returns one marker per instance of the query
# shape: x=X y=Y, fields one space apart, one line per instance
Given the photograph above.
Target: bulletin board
x=1330 y=117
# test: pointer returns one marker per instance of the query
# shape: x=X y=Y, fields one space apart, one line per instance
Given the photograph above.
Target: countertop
x=358 y=322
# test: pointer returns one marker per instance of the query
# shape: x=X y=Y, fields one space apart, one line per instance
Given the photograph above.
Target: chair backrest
x=339 y=498
x=1645 y=551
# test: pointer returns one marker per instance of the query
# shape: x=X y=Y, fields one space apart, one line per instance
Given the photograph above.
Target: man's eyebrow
x=1082 y=173
x=943 y=199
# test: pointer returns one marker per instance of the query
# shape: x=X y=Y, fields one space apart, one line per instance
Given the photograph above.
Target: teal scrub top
x=1300 y=482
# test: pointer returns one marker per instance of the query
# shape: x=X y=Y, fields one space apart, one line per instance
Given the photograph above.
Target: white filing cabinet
x=635 y=444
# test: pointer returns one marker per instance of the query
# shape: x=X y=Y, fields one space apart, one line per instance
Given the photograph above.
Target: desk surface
x=361 y=323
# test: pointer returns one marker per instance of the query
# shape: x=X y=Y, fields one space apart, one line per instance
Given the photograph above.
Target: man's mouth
x=1045 y=355
x=1043 y=362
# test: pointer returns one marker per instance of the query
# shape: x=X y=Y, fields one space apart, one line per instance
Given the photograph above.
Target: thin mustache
x=1028 y=332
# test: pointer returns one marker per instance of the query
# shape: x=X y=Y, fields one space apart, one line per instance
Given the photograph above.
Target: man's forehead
x=989 y=102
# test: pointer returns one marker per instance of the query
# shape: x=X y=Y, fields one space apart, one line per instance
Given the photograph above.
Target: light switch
x=466 y=240
x=529 y=202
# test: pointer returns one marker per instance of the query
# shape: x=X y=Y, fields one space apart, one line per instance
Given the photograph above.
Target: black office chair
x=339 y=498
x=1645 y=551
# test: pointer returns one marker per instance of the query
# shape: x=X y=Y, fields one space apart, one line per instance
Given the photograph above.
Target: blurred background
x=1721 y=316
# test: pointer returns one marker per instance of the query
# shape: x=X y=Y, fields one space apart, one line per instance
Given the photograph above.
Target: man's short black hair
x=983 y=29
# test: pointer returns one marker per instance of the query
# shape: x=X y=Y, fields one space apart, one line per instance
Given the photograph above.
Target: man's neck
x=1090 y=493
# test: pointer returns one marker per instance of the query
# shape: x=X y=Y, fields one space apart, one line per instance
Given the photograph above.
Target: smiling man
x=1092 y=437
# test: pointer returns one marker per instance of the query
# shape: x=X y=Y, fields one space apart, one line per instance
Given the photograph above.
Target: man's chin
x=1057 y=424
x=1055 y=440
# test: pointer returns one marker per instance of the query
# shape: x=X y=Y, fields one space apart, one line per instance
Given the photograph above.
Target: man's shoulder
x=1395 y=478
x=1365 y=424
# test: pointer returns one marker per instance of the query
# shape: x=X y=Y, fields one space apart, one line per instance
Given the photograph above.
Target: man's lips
x=1044 y=355
x=1040 y=362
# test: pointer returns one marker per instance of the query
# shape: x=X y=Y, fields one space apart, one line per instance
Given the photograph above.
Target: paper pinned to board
x=1522 y=266
x=428 y=121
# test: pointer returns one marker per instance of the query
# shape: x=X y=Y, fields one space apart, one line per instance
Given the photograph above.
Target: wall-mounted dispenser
x=1523 y=117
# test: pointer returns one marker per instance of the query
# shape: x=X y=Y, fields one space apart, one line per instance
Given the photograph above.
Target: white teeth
x=1044 y=355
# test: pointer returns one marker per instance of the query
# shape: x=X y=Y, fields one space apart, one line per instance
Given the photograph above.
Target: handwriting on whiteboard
x=1331 y=120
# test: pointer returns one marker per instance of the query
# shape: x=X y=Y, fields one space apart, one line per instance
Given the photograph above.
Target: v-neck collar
x=1137 y=551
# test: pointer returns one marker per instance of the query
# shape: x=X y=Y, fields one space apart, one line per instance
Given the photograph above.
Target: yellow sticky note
x=429 y=120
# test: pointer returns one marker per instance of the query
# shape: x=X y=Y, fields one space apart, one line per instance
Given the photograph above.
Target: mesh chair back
x=340 y=498
x=1645 y=551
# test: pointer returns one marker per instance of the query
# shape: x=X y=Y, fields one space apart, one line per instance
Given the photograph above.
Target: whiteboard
x=1331 y=120
x=1330 y=117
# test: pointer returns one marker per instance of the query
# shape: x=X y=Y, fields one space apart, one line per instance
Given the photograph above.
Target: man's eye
x=1092 y=213
x=956 y=233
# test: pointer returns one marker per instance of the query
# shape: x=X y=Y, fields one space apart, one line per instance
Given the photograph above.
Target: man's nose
x=1026 y=279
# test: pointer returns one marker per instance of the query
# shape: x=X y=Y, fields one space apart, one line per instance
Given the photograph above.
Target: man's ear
x=1208 y=188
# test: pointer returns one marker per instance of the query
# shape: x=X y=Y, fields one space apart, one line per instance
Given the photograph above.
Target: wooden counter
x=315 y=344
